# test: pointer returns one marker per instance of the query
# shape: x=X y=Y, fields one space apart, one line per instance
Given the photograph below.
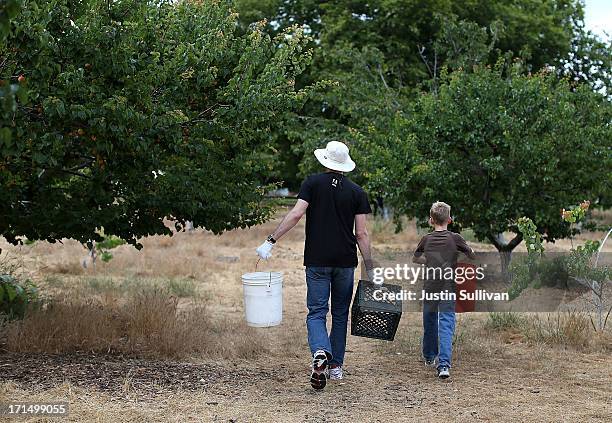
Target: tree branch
x=502 y=245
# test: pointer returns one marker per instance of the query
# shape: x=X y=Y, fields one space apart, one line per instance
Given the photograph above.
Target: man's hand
x=370 y=271
x=376 y=281
x=264 y=251
x=371 y=277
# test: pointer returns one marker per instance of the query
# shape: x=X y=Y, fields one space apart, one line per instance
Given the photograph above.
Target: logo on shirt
x=334 y=182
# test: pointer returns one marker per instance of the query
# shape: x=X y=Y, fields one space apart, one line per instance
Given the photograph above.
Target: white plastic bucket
x=263 y=298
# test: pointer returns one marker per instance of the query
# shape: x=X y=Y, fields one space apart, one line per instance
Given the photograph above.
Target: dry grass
x=178 y=287
x=570 y=329
x=505 y=321
x=148 y=323
x=67 y=268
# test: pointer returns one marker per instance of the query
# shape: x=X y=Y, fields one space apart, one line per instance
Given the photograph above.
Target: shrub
x=580 y=265
x=553 y=272
x=565 y=329
x=182 y=287
x=16 y=296
x=505 y=320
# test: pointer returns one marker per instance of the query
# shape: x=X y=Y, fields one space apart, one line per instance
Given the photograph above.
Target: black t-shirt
x=333 y=201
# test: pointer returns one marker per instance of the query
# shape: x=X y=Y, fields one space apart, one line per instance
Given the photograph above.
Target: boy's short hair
x=440 y=212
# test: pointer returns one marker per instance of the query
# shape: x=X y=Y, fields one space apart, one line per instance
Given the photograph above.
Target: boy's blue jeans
x=323 y=282
x=438 y=330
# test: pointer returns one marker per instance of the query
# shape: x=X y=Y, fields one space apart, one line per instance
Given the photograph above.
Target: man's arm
x=264 y=251
x=291 y=219
x=363 y=240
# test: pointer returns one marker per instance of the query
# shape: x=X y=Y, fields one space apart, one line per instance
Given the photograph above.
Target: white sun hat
x=335 y=157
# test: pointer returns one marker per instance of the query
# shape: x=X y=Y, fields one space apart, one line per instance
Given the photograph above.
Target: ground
x=497 y=375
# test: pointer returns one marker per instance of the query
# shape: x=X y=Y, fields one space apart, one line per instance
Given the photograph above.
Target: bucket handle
x=269 y=274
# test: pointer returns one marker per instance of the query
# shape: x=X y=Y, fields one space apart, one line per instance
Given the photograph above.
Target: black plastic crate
x=372 y=318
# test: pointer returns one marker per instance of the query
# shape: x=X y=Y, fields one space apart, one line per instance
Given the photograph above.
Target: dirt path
x=514 y=383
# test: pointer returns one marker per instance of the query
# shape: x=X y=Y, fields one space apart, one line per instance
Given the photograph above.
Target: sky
x=598 y=16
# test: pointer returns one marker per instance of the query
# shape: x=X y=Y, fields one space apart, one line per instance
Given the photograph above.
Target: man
x=333 y=205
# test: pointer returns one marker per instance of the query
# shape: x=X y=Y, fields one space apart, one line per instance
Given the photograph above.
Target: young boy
x=438 y=250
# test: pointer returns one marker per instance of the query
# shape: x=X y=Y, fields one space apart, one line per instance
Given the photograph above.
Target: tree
x=540 y=31
x=383 y=52
x=498 y=148
x=589 y=61
x=9 y=90
x=137 y=112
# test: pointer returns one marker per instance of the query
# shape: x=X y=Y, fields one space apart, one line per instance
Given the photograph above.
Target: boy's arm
x=419 y=256
x=463 y=247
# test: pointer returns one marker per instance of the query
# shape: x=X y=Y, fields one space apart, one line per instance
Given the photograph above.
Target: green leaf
x=10 y=292
x=22 y=95
x=5 y=136
x=106 y=256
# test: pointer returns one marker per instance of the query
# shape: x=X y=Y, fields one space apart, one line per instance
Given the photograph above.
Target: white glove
x=264 y=251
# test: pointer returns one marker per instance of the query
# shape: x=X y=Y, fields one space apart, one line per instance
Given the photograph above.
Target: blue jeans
x=438 y=330
x=322 y=282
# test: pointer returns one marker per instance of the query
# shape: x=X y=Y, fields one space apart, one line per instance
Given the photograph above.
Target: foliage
x=533 y=239
x=579 y=265
x=536 y=269
x=139 y=111
x=498 y=148
x=8 y=10
x=540 y=31
x=10 y=90
x=576 y=213
x=382 y=52
x=527 y=271
x=589 y=61
x=106 y=244
x=16 y=295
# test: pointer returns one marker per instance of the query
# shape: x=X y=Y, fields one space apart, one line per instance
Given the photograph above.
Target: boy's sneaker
x=335 y=372
x=318 y=377
x=443 y=372
x=430 y=362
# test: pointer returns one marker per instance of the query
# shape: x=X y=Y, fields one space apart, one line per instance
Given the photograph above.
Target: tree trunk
x=505 y=257
x=505 y=251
